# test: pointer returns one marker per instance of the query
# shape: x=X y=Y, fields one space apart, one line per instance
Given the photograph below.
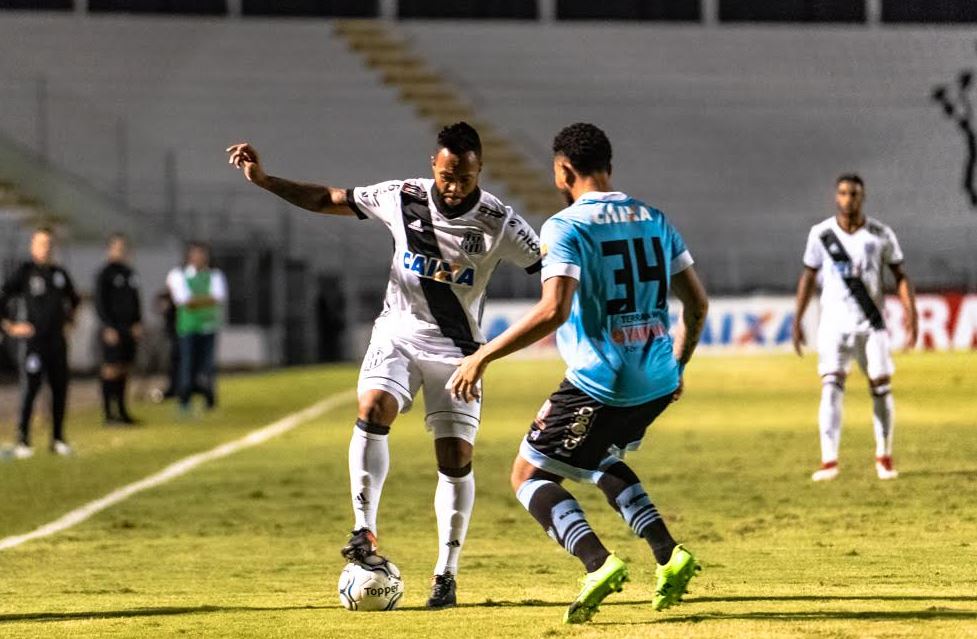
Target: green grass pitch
x=247 y=546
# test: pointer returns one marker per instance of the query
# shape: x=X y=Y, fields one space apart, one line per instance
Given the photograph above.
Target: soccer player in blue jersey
x=609 y=262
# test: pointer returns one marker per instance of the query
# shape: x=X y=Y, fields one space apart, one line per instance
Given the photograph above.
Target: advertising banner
x=947 y=321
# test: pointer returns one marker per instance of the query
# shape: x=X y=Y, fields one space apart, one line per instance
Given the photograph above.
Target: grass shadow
x=969 y=474
x=929 y=614
x=738 y=598
x=145 y=612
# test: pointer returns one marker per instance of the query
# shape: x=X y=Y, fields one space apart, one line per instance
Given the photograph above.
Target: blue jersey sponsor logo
x=435 y=268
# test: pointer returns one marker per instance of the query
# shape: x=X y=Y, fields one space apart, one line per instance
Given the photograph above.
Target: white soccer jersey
x=442 y=260
x=851 y=267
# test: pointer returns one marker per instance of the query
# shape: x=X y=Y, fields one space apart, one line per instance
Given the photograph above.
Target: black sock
x=626 y=495
x=563 y=519
x=108 y=389
x=120 y=396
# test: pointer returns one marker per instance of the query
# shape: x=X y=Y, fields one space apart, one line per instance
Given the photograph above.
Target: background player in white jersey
x=609 y=262
x=449 y=236
x=850 y=251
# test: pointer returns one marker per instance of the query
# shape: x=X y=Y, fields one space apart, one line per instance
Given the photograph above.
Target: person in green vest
x=199 y=293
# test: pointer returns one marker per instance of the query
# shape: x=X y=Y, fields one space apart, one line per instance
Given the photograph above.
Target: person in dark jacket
x=118 y=306
x=47 y=306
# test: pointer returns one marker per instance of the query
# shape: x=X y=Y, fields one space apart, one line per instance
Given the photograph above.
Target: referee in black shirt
x=48 y=305
x=118 y=307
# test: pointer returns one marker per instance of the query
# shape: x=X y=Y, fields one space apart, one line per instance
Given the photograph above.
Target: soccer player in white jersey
x=449 y=236
x=850 y=251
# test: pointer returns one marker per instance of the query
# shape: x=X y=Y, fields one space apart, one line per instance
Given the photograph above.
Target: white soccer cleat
x=22 y=451
x=61 y=448
x=884 y=469
x=827 y=472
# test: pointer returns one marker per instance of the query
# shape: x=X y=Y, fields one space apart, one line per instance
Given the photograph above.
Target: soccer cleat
x=59 y=447
x=443 y=591
x=827 y=472
x=596 y=586
x=22 y=451
x=362 y=546
x=884 y=469
x=673 y=578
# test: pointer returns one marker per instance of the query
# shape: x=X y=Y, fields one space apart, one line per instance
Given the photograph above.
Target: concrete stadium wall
x=739 y=132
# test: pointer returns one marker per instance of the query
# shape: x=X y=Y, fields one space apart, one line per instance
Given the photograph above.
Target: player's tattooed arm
x=805 y=288
x=311 y=197
x=690 y=291
x=907 y=295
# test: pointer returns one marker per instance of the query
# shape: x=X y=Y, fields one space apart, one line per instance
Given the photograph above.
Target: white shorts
x=401 y=368
x=870 y=349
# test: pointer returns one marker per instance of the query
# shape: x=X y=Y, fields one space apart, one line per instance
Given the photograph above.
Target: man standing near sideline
x=118 y=306
x=609 y=262
x=49 y=302
x=850 y=250
x=199 y=293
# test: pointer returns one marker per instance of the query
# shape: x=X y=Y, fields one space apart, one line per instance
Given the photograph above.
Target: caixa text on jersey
x=437 y=269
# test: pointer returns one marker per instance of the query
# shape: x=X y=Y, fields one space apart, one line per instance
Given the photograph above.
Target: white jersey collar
x=602 y=196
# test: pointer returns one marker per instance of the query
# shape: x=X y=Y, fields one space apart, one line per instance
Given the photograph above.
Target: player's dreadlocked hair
x=854 y=178
x=460 y=138
x=586 y=146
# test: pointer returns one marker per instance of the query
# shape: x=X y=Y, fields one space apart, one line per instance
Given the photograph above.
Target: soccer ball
x=376 y=586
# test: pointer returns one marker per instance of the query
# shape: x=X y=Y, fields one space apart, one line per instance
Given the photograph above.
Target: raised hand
x=245 y=157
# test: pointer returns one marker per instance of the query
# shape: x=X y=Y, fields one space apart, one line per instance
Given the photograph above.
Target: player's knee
x=881 y=386
x=834 y=379
x=454 y=456
x=455 y=471
x=521 y=471
x=378 y=407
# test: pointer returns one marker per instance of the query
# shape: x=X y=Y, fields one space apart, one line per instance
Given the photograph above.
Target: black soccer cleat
x=361 y=547
x=443 y=591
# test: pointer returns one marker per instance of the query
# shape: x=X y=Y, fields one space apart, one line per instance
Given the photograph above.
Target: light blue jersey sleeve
x=681 y=258
x=561 y=250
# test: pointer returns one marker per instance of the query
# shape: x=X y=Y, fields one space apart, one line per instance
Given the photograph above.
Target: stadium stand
x=739 y=132
x=736 y=131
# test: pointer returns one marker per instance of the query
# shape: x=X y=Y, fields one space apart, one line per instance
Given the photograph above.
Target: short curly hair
x=460 y=138
x=586 y=146
x=854 y=178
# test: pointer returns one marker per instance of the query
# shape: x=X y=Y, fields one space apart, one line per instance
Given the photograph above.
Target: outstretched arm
x=550 y=312
x=311 y=197
x=907 y=295
x=805 y=287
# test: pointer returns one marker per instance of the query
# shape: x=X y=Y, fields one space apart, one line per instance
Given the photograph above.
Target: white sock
x=883 y=420
x=369 y=460
x=453 y=502
x=829 y=418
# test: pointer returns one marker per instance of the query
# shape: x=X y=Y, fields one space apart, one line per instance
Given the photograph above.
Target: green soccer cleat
x=596 y=586
x=674 y=577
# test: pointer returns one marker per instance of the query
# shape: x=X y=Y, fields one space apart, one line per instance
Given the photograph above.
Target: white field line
x=181 y=467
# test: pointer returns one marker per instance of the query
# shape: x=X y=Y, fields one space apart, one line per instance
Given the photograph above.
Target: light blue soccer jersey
x=623 y=253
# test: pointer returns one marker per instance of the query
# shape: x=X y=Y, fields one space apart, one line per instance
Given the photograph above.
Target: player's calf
x=883 y=424
x=626 y=495
x=829 y=424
